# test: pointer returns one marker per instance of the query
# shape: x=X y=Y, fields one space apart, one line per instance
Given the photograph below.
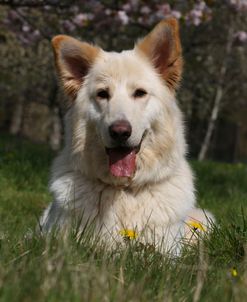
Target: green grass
x=37 y=269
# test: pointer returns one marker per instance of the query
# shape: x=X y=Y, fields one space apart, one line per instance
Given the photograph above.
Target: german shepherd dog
x=123 y=166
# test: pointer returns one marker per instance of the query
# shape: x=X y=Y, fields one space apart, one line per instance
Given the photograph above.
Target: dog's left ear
x=162 y=46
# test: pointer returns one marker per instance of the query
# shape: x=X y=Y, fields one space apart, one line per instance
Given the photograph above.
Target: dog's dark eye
x=139 y=93
x=103 y=94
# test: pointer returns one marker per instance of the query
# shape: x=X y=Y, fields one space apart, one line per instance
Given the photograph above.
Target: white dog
x=123 y=166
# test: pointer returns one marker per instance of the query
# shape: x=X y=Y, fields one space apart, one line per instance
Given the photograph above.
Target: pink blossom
x=108 y=12
x=126 y=7
x=123 y=17
x=134 y=3
x=241 y=36
x=25 y=28
x=36 y=33
x=68 y=25
x=12 y=15
x=34 y=36
x=238 y=4
x=47 y=7
x=194 y=17
x=145 y=10
x=199 y=12
x=165 y=9
x=81 y=19
x=200 y=6
x=176 y=14
x=196 y=13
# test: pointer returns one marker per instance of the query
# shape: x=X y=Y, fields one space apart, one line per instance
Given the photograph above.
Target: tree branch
x=36 y=3
x=218 y=97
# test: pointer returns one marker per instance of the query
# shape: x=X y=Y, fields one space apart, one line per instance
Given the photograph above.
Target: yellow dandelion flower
x=234 y=272
x=128 y=234
x=196 y=225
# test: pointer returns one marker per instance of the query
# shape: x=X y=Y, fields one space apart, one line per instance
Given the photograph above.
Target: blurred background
x=213 y=93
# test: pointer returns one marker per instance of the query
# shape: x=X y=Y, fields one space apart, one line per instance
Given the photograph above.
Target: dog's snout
x=120 y=130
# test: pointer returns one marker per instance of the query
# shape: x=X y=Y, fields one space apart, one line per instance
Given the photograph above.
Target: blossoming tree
x=213 y=32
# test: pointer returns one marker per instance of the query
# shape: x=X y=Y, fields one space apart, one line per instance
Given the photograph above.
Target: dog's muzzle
x=122 y=160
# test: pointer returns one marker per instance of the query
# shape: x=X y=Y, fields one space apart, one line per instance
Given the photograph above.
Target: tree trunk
x=55 y=138
x=217 y=99
x=56 y=131
x=17 y=118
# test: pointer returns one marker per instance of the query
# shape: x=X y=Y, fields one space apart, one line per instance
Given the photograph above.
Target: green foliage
x=33 y=268
x=23 y=182
x=222 y=188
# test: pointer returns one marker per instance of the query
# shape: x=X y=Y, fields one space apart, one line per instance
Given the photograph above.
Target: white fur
x=158 y=200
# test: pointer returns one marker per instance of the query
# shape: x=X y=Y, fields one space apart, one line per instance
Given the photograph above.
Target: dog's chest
x=123 y=208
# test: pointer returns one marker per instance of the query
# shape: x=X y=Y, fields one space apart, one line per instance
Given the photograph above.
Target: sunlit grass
x=33 y=268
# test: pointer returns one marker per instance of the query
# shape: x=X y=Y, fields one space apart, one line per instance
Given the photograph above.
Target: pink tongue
x=122 y=162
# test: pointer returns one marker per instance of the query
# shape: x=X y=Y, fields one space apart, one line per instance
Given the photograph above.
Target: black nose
x=120 y=130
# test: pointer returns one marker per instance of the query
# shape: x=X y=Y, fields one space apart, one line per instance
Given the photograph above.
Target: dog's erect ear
x=73 y=60
x=162 y=46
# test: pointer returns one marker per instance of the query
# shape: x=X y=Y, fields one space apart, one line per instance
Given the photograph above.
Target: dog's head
x=123 y=116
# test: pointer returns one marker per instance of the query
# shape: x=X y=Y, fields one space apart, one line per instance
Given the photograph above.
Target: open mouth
x=122 y=160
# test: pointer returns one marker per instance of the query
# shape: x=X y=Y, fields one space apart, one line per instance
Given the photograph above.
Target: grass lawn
x=35 y=269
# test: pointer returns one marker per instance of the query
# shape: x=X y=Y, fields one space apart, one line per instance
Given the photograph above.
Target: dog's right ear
x=73 y=60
